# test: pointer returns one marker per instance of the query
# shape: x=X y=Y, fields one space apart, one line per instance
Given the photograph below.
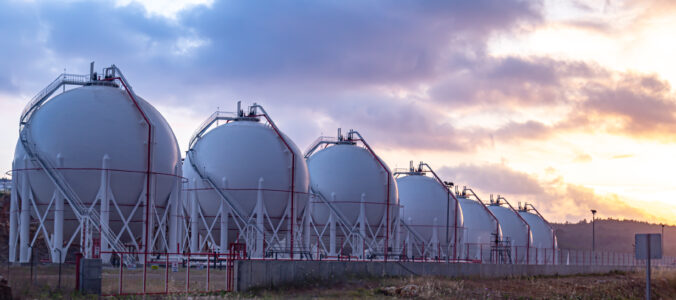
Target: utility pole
x=662 y=237
x=593 y=211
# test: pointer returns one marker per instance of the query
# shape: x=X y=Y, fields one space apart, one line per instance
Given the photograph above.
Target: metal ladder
x=341 y=218
x=82 y=212
x=219 y=191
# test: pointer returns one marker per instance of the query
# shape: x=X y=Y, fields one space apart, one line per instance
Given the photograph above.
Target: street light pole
x=593 y=211
x=662 y=239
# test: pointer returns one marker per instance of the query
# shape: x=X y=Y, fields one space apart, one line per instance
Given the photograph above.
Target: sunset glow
x=568 y=105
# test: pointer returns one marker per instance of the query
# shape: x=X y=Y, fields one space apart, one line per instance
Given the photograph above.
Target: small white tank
x=514 y=229
x=346 y=173
x=245 y=158
x=480 y=229
x=544 y=239
x=429 y=209
x=96 y=138
x=359 y=186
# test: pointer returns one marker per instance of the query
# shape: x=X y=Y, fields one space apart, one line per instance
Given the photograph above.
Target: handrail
x=457 y=207
x=389 y=179
x=81 y=211
x=44 y=94
x=111 y=76
x=217 y=115
x=293 y=164
x=318 y=142
x=235 y=208
x=341 y=218
x=339 y=140
x=416 y=235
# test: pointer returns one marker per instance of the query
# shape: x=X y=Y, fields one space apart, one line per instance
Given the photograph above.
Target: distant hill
x=611 y=235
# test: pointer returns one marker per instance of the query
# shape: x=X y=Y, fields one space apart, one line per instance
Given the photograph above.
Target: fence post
x=32 y=258
x=60 y=258
x=166 y=273
x=119 y=288
x=187 y=276
x=209 y=271
x=481 y=253
x=78 y=256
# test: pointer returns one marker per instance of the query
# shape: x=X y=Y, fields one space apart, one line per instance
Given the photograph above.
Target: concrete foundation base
x=268 y=274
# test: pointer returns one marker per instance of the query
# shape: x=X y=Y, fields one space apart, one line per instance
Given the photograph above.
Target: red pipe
x=497 y=223
x=389 y=174
x=293 y=176
x=457 y=203
x=527 y=226
x=148 y=173
x=548 y=224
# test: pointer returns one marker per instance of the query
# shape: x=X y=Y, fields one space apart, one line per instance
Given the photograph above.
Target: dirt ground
x=617 y=285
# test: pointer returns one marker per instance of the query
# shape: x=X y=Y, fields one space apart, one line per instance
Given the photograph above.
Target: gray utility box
x=90 y=276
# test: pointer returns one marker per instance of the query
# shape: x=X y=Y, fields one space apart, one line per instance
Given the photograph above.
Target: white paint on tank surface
x=424 y=199
x=342 y=173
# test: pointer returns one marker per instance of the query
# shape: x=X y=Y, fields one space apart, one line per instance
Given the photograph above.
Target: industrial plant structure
x=544 y=237
x=95 y=166
x=246 y=182
x=483 y=236
x=432 y=217
x=355 y=208
x=98 y=170
x=516 y=233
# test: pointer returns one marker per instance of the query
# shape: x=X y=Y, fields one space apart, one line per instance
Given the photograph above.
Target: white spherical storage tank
x=92 y=142
x=359 y=186
x=255 y=167
x=544 y=246
x=514 y=229
x=480 y=229
x=431 y=212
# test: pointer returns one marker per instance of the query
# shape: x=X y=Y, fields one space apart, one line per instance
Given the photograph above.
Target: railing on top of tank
x=318 y=141
x=40 y=97
x=217 y=115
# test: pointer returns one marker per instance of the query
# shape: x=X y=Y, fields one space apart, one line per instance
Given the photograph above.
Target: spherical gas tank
x=480 y=227
x=246 y=158
x=514 y=229
x=347 y=174
x=426 y=205
x=92 y=129
x=544 y=242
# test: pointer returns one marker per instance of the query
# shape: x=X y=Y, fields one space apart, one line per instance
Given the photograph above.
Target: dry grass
x=617 y=285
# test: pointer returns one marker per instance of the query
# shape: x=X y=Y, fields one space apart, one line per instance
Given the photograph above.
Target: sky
x=564 y=104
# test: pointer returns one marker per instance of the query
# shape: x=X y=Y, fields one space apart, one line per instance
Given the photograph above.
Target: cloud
x=493 y=177
x=621 y=156
x=346 y=42
x=582 y=158
x=554 y=197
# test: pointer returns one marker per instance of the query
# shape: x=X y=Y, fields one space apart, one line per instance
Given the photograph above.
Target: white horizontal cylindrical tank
x=93 y=129
x=345 y=174
x=480 y=229
x=246 y=158
x=513 y=229
x=430 y=210
x=544 y=240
